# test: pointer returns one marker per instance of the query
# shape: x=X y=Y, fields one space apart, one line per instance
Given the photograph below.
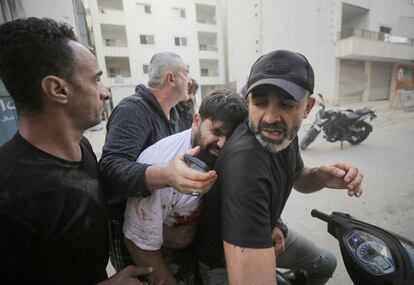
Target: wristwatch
x=283 y=228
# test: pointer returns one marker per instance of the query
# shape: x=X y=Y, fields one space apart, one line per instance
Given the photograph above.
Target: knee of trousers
x=326 y=263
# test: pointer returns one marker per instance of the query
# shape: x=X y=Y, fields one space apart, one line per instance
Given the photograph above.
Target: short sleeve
x=246 y=198
x=143 y=224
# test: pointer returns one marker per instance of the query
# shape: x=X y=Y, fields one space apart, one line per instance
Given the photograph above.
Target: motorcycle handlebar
x=321 y=216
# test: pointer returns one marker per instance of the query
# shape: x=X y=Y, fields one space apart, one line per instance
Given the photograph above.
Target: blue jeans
x=317 y=263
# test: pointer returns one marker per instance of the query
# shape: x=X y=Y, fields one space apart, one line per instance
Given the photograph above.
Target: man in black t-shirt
x=240 y=234
x=52 y=206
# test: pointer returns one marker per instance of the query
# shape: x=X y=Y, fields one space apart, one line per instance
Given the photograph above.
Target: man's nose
x=221 y=141
x=105 y=93
x=272 y=114
x=189 y=81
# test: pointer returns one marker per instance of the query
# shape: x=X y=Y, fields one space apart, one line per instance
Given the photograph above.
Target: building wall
x=312 y=28
x=57 y=10
x=397 y=14
x=244 y=38
x=164 y=24
x=302 y=26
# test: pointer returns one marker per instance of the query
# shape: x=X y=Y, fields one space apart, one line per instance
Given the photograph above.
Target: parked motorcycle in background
x=339 y=125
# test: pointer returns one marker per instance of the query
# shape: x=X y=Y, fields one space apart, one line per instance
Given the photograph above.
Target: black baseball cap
x=285 y=69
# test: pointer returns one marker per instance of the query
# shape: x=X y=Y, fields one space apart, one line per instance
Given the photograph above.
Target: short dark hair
x=193 y=87
x=31 y=49
x=226 y=106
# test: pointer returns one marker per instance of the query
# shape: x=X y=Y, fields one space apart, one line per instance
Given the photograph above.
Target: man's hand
x=127 y=276
x=342 y=176
x=178 y=175
x=279 y=241
x=187 y=180
x=338 y=176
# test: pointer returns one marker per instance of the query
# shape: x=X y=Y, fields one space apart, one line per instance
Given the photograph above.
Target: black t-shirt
x=52 y=217
x=248 y=197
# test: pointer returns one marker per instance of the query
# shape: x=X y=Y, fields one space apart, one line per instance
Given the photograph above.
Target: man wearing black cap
x=240 y=235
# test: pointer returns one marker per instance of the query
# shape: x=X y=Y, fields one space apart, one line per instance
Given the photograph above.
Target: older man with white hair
x=139 y=121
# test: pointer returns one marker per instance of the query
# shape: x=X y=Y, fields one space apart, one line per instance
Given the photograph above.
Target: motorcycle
x=338 y=124
x=372 y=255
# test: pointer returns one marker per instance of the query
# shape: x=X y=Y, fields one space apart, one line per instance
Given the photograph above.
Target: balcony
x=361 y=44
x=206 y=14
x=116 y=51
x=111 y=16
x=120 y=80
x=114 y=40
x=118 y=69
x=209 y=72
x=208 y=45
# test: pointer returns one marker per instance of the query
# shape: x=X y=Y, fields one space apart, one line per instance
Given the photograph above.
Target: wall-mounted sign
x=8 y=116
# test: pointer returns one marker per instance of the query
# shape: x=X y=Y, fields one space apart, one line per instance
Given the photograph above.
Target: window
x=143 y=8
x=178 y=12
x=385 y=30
x=146 y=39
x=204 y=71
x=145 y=68
x=180 y=41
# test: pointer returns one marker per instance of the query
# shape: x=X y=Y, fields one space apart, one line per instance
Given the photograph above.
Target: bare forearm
x=151 y=258
x=309 y=180
x=247 y=266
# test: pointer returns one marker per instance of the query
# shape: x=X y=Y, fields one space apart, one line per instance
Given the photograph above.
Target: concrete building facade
x=361 y=50
x=128 y=32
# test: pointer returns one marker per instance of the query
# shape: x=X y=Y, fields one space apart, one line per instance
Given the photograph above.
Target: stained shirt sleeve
x=144 y=218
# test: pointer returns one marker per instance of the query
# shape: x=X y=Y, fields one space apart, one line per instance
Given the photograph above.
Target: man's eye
x=216 y=133
x=260 y=102
x=289 y=105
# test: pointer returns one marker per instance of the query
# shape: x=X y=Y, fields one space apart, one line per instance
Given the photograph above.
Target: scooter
x=339 y=125
x=372 y=255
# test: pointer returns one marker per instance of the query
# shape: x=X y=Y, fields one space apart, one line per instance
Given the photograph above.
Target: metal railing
x=377 y=36
x=207 y=47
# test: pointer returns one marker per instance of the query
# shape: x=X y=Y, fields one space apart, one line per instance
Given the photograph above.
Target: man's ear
x=170 y=79
x=310 y=102
x=55 y=89
x=196 y=119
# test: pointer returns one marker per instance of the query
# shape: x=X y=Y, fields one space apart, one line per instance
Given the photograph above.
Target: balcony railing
x=377 y=36
x=208 y=73
x=207 y=47
x=206 y=21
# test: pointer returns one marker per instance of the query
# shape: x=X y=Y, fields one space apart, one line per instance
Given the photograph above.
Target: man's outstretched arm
x=337 y=176
x=246 y=266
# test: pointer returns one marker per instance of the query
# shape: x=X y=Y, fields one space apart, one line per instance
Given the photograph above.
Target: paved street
x=386 y=159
